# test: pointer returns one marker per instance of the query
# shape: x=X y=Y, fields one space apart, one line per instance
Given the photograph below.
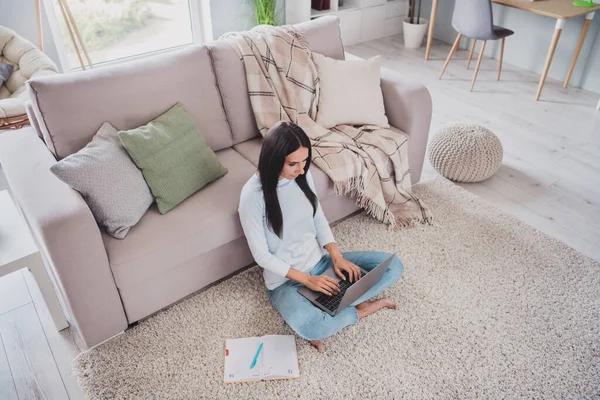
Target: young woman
x=288 y=234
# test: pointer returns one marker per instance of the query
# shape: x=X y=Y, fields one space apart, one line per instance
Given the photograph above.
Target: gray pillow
x=111 y=184
x=6 y=71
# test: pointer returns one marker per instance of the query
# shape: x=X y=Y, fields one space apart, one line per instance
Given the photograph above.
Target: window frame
x=199 y=18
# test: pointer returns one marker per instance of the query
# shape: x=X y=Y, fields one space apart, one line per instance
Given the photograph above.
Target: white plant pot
x=414 y=33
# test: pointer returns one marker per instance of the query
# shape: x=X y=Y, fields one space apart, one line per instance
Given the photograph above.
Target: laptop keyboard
x=332 y=302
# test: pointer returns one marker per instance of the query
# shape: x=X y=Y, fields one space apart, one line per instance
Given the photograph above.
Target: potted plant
x=264 y=12
x=414 y=25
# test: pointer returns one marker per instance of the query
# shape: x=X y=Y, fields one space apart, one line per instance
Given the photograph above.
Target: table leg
x=584 y=31
x=432 y=17
x=557 y=31
x=43 y=281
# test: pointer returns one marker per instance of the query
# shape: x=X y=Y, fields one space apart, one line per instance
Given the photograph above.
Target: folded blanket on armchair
x=368 y=162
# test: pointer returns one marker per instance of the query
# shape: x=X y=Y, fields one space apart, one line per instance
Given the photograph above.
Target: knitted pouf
x=465 y=152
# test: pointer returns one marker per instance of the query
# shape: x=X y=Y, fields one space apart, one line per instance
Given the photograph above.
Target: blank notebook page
x=280 y=359
x=239 y=356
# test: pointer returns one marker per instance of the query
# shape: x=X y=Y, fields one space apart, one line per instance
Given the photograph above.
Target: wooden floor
x=550 y=176
x=549 y=179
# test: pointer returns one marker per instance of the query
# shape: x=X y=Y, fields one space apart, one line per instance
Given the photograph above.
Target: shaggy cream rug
x=489 y=308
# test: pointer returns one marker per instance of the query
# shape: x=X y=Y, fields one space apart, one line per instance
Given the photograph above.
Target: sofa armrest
x=408 y=107
x=67 y=235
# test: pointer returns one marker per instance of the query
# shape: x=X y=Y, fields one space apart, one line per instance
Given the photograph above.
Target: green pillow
x=174 y=158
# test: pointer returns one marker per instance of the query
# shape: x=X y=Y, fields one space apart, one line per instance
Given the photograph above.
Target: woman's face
x=294 y=164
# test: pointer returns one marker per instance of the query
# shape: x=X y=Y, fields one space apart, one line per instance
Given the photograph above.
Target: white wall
x=230 y=15
x=237 y=15
x=591 y=75
x=528 y=47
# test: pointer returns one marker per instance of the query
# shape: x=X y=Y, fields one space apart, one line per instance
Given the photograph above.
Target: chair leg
x=501 y=55
x=478 y=64
x=471 y=53
x=454 y=47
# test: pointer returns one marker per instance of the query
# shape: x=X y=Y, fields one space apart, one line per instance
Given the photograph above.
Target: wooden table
x=561 y=10
x=18 y=250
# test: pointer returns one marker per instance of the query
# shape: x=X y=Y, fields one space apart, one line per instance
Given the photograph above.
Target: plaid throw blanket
x=368 y=162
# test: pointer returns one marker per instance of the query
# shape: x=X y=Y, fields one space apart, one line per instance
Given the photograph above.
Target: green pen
x=256 y=356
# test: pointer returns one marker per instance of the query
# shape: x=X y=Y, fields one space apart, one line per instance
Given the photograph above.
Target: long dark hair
x=282 y=139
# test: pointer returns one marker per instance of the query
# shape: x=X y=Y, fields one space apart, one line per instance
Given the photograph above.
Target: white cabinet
x=396 y=9
x=392 y=26
x=395 y=12
x=297 y=11
x=373 y=3
x=372 y=23
x=360 y=20
x=350 y=25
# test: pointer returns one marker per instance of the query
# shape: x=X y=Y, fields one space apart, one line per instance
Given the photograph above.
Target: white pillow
x=350 y=92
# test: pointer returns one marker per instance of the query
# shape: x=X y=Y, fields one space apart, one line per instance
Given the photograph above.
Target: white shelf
x=360 y=20
x=316 y=13
x=349 y=7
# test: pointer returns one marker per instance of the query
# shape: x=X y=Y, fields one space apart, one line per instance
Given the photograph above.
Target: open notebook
x=277 y=360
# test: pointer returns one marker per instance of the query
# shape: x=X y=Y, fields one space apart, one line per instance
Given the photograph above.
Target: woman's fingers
x=338 y=272
x=332 y=284
x=351 y=273
x=348 y=270
x=326 y=284
x=325 y=290
x=356 y=271
x=335 y=283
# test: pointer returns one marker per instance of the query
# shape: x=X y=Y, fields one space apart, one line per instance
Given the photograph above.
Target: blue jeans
x=308 y=321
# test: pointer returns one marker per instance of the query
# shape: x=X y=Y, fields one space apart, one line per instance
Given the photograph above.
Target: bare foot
x=369 y=307
x=319 y=345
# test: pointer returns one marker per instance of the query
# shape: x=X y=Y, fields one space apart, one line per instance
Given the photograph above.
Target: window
x=116 y=29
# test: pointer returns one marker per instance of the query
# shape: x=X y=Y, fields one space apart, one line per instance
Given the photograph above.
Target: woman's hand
x=323 y=284
x=340 y=264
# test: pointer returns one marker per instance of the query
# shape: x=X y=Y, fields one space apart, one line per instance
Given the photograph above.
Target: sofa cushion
x=111 y=184
x=70 y=107
x=173 y=157
x=250 y=149
x=231 y=79
x=5 y=72
x=323 y=36
x=340 y=80
x=203 y=222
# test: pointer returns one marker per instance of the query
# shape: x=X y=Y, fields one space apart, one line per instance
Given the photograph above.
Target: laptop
x=349 y=293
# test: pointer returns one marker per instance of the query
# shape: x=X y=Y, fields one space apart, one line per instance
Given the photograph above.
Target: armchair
x=29 y=62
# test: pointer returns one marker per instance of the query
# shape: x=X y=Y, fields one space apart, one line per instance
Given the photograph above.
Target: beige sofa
x=107 y=283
